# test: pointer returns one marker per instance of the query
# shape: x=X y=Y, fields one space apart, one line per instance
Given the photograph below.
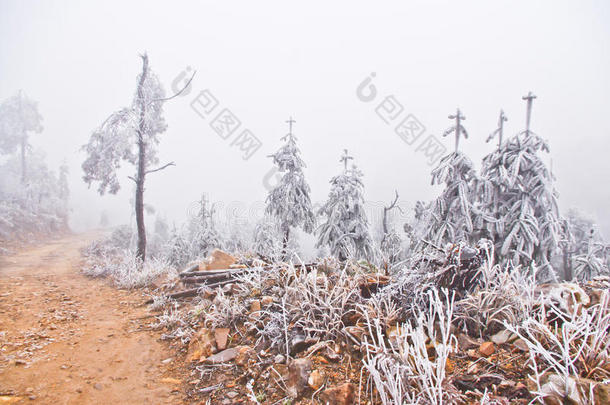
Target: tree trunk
x=285 y=243
x=141 y=250
x=567 y=264
x=23 y=174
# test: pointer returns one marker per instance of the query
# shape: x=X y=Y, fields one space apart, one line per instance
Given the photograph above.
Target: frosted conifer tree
x=346 y=230
x=131 y=135
x=268 y=238
x=204 y=235
x=521 y=203
x=450 y=214
x=289 y=201
x=19 y=116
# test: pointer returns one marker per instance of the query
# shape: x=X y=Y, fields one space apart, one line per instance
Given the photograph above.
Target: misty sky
x=268 y=60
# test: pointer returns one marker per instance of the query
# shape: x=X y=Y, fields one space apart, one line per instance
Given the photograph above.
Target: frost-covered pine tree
x=521 y=203
x=289 y=201
x=203 y=234
x=130 y=135
x=268 y=238
x=585 y=252
x=449 y=217
x=19 y=117
x=346 y=229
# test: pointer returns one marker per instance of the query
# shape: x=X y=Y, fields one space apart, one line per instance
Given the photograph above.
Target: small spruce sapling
x=289 y=201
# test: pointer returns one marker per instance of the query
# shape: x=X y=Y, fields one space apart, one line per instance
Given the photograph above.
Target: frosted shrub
x=565 y=345
x=402 y=370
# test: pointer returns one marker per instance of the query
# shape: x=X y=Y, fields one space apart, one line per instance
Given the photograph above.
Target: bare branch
x=131 y=178
x=177 y=94
x=388 y=209
x=160 y=168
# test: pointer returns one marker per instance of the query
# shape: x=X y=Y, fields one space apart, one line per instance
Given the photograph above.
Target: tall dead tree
x=131 y=135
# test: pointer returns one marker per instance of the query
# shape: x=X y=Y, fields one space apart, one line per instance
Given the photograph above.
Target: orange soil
x=69 y=339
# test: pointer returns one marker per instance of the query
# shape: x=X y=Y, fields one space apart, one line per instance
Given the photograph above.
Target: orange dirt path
x=69 y=339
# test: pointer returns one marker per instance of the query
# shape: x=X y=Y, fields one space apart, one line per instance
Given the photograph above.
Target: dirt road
x=69 y=339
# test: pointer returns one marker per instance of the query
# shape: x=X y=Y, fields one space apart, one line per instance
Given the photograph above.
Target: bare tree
x=131 y=135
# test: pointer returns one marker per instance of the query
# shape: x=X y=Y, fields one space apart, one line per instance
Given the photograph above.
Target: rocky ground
x=279 y=335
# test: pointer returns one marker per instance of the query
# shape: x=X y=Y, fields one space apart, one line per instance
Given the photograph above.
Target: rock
x=232 y=394
x=266 y=300
x=221 y=335
x=341 y=395
x=219 y=260
x=255 y=306
x=167 y=361
x=298 y=376
x=557 y=391
x=279 y=359
x=244 y=354
x=465 y=342
x=521 y=345
x=487 y=349
x=299 y=343
x=98 y=386
x=200 y=346
x=315 y=380
x=503 y=336
x=223 y=356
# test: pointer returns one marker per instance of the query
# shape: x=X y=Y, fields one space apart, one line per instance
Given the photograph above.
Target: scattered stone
x=230 y=354
x=255 y=306
x=221 y=335
x=465 y=342
x=503 y=336
x=244 y=354
x=279 y=359
x=341 y=395
x=167 y=361
x=232 y=394
x=79 y=390
x=200 y=346
x=315 y=380
x=487 y=349
x=298 y=376
x=299 y=343
x=98 y=386
x=557 y=391
x=521 y=345
x=218 y=260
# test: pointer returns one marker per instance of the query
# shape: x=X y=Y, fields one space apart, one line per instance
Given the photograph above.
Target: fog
x=268 y=61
